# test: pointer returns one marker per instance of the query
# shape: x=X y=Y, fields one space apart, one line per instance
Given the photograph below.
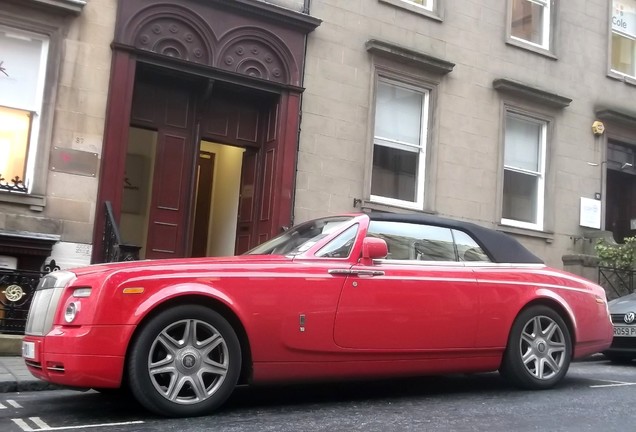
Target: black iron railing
x=15 y=184
x=617 y=282
x=113 y=248
x=16 y=292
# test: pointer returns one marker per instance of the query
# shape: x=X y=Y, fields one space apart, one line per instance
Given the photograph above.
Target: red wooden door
x=268 y=162
x=257 y=198
x=168 y=110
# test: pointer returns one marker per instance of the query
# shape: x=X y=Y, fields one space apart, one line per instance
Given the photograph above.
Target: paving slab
x=15 y=377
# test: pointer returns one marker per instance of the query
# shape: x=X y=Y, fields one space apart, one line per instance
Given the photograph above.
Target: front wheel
x=184 y=362
x=539 y=349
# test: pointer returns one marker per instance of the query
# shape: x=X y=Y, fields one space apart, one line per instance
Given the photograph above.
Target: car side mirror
x=373 y=248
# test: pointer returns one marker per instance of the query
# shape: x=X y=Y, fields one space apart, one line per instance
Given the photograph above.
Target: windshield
x=301 y=237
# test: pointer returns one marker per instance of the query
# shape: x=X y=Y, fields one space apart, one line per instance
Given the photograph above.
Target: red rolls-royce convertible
x=351 y=296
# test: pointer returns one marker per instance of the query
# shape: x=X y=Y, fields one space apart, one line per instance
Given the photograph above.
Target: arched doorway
x=202 y=126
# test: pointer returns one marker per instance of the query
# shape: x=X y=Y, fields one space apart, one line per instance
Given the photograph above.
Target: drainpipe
x=306 y=10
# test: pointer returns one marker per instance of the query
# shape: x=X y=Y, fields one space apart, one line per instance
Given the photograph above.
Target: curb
x=26 y=386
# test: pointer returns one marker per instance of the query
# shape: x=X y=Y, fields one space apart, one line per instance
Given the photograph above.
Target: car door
x=419 y=298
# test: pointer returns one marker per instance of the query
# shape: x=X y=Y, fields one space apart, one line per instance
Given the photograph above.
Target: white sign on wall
x=590 y=213
x=624 y=17
x=8 y=262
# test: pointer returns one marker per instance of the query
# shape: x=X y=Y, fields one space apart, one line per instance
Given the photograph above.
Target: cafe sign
x=624 y=17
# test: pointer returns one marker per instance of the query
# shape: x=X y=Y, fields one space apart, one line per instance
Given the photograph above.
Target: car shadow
x=250 y=399
x=368 y=390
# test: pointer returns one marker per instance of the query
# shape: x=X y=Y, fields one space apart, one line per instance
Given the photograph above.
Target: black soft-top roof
x=499 y=246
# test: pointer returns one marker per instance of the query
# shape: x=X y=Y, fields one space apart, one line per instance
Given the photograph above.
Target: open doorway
x=217 y=185
x=208 y=167
x=217 y=199
x=620 y=213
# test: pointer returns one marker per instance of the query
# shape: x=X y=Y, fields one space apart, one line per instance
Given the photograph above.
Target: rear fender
x=548 y=298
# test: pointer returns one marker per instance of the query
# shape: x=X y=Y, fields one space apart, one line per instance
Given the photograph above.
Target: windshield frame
x=309 y=245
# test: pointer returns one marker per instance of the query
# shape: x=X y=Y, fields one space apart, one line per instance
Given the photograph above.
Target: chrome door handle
x=348 y=272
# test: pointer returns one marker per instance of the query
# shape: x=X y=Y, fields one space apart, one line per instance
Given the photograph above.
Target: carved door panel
x=258 y=182
x=268 y=158
x=168 y=110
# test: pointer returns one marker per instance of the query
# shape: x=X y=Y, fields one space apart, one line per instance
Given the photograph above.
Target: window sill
x=532 y=48
x=415 y=9
x=74 y=7
x=545 y=235
x=627 y=79
x=369 y=206
x=35 y=202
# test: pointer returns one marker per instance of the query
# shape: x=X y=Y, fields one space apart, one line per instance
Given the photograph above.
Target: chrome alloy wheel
x=542 y=347
x=188 y=361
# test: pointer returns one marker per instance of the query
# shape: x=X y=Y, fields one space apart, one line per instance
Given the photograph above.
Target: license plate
x=28 y=350
x=625 y=331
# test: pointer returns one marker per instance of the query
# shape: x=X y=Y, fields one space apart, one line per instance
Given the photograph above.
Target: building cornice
x=617 y=115
x=271 y=12
x=409 y=56
x=532 y=94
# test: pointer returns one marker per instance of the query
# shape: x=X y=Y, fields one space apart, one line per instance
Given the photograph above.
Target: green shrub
x=619 y=256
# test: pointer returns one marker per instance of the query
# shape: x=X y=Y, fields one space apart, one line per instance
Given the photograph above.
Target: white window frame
x=36 y=107
x=428 y=5
x=541 y=174
x=421 y=148
x=547 y=25
x=432 y=9
x=611 y=46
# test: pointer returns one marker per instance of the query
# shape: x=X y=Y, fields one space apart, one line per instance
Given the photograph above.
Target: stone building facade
x=61 y=50
x=481 y=110
x=510 y=91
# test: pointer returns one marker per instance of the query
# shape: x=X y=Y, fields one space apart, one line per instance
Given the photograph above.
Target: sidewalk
x=15 y=377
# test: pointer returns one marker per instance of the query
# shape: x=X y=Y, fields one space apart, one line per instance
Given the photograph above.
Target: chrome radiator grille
x=42 y=312
x=45 y=301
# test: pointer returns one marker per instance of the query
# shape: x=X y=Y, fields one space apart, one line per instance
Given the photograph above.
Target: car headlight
x=71 y=311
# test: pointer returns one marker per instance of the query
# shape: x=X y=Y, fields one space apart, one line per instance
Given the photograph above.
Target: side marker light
x=138 y=290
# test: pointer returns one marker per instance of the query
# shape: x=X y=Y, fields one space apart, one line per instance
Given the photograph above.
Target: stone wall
x=465 y=162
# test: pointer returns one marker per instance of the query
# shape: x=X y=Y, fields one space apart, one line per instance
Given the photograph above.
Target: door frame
x=285 y=124
x=254 y=44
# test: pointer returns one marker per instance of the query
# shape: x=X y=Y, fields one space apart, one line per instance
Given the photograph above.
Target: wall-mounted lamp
x=626 y=165
x=598 y=128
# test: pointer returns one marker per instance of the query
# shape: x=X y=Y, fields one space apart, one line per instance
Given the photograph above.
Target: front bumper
x=83 y=357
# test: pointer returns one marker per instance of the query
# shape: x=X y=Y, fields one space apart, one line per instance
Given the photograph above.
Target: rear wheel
x=539 y=349
x=185 y=362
